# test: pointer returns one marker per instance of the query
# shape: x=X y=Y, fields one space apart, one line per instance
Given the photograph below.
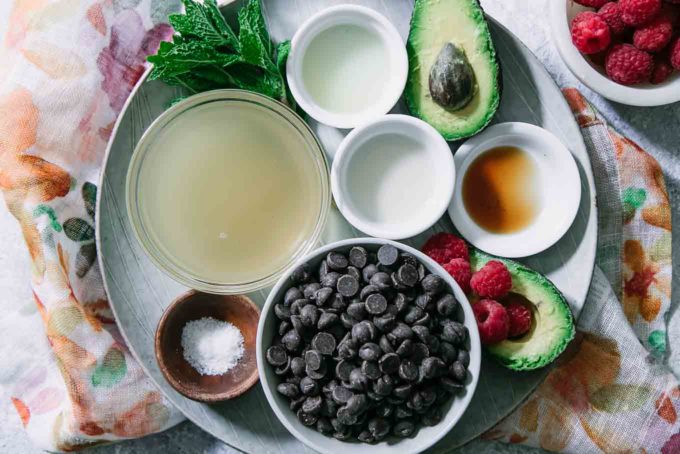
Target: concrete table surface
x=655 y=129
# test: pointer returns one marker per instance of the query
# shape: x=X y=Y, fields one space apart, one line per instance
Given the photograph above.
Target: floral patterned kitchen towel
x=611 y=391
x=67 y=68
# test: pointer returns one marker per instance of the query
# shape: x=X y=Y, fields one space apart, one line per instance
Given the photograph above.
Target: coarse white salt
x=212 y=347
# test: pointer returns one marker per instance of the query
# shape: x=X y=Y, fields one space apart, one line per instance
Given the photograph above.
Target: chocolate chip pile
x=368 y=345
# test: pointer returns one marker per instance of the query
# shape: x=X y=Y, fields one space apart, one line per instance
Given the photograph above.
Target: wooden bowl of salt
x=205 y=345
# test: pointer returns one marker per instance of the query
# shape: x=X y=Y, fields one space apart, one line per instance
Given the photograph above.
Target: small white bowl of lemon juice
x=347 y=66
x=394 y=177
x=226 y=189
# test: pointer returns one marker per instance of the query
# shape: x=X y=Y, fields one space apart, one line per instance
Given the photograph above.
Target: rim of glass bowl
x=150 y=246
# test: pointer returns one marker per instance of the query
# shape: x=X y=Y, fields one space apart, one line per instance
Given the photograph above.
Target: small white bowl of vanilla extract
x=517 y=190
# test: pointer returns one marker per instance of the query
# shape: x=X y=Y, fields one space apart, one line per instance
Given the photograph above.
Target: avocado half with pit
x=552 y=325
x=454 y=79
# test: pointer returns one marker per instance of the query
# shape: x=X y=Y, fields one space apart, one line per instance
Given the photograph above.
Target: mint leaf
x=206 y=54
x=205 y=22
x=282 y=52
x=254 y=38
x=177 y=59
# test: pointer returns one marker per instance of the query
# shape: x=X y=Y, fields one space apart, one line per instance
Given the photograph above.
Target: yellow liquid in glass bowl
x=226 y=193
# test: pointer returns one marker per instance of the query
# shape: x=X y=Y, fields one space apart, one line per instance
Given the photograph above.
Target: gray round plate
x=138 y=292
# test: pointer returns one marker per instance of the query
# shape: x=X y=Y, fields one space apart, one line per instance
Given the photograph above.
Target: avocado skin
x=528 y=277
x=411 y=94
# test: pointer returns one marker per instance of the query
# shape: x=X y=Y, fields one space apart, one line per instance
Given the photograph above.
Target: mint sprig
x=206 y=54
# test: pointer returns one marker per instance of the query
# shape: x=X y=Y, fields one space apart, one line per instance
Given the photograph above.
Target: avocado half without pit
x=552 y=325
x=454 y=80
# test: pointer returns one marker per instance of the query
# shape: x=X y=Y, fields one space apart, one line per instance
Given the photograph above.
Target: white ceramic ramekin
x=561 y=14
x=559 y=184
x=433 y=147
x=394 y=76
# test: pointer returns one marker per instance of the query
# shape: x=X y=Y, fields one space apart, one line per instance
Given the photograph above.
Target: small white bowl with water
x=347 y=66
x=393 y=177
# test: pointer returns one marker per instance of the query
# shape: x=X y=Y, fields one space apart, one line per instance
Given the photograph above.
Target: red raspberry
x=460 y=271
x=492 y=320
x=628 y=65
x=444 y=247
x=662 y=70
x=520 y=319
x=492 y=281
x=591 y=3
x=654 y=36
x=674 y=53
x=611 y=13
x=590 y=33
x=637 y=12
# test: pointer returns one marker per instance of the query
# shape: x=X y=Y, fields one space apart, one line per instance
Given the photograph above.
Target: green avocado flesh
x=436 y=23
x=553 y=324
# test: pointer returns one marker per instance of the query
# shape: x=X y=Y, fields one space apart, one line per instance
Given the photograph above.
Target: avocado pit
x=452 y=80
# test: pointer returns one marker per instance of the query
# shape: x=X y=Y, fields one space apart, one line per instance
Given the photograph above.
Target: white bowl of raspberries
x=626 y=50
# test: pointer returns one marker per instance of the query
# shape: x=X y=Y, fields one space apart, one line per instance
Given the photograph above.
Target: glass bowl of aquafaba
x=226 y=190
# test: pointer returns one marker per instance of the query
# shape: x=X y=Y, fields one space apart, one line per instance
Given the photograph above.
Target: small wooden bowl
x=238 y=310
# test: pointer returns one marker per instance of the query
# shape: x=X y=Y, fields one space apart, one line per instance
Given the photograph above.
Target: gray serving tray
x=138 y=292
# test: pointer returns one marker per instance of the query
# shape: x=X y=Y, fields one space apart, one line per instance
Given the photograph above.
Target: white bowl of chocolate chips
x=368 y=341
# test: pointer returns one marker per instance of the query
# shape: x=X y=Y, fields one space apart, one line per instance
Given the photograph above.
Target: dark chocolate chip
x=389 y=363
x=313 y=359
x=369 y=352
x=300 y=274
x=358 y=380
x=309 y=386
x=276 y=355
x=405 y=348
x=312 y=405
x=385 y=323
x=342 y=370
x=309 y=315
x=324 y=426
x=381 y=280
x=376 y=304
x=403 y=429
x=358 y=256
x=324 y=343
x=433 y=284
x=388 y=255
x=369 y=271
x=364 y=331
x=357 y=310
x=323 y=295
x=291 y=295
x=458 y=371
x=305 y=418
x=464 y=357
x=354 y=272
x=336 y=261
x=348 y=285
x=446 y=305
x=288 y=390
x=368 y=290
x=310 y=290
x=371 y=369
x=408 y=275
x=297 y=366
x=408 y=371
x=330 y=279
x=385 y=345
